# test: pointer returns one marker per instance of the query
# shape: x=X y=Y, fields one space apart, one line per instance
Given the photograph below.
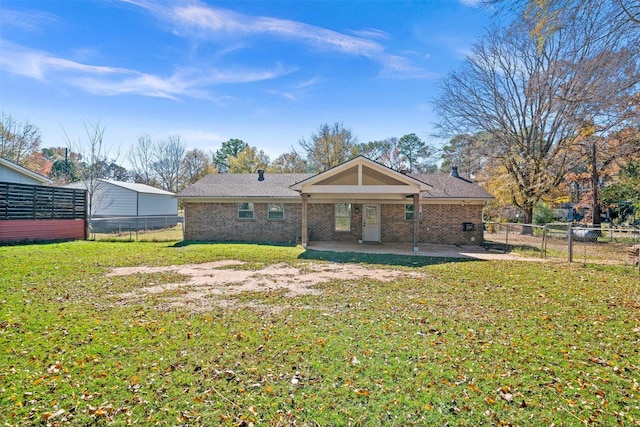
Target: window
x=343 y=217
x=408 y=213
x=245 y=210
x=275 y=211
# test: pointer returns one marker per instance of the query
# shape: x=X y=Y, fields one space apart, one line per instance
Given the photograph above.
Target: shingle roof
x=245 y=185
x=447 y=186
x=276 y=185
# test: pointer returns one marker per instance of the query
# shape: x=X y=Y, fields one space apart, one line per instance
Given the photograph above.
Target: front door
x=371 y=223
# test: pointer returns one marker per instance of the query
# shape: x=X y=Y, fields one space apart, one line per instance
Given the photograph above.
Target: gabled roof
x=218 y=185
x=139 y=188
x=445 y=186
x=24 y=171
x=360 y=173
x=354 y=177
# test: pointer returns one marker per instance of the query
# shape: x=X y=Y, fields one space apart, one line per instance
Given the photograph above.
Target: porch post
x=304 y=220
x=416 y=220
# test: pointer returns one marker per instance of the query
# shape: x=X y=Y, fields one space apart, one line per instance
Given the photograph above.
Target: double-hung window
x=275 y=211
x=342 y=217
x=409 y=212
x=245 y=210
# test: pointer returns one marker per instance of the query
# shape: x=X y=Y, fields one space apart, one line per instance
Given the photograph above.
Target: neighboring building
x=11 y=172
x=359 y=200
x=117 y=205
x=31 y=211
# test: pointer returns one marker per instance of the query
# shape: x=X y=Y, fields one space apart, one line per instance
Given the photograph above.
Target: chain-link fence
x=574 y=243
x=155 y=228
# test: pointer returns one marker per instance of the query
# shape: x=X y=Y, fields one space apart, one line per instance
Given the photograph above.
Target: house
x=32 y=211
x=12 y=172
x=116 y=205
x=357 y=201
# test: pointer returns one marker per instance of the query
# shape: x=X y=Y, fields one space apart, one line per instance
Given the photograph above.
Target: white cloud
x=28 y=21
x=471 y=3
x=104 y=80
x=209 y=23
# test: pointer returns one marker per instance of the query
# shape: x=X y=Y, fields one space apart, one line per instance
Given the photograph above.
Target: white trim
x=309 y=186
x=24 y=171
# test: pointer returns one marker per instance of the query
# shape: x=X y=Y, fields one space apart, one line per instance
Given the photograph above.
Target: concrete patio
x=430 y=250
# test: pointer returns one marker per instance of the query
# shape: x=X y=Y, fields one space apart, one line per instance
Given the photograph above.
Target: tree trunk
x=595 y=202
x=528 y=220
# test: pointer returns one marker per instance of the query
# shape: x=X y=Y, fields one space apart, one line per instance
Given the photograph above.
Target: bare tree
x=622 y=15
x=329 y=146
x=167 y=160
x=141 y=159
x=93 y=154
x=533 y=95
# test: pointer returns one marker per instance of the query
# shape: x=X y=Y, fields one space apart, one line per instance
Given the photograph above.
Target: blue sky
x=266 y=72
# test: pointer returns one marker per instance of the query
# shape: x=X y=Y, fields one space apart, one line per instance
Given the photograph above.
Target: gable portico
x=366 y=184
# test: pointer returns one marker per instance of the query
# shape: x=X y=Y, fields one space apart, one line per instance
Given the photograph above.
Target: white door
x=371 y=223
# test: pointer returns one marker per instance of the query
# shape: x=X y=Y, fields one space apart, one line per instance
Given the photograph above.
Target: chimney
x=260 y=174
x=454 y=172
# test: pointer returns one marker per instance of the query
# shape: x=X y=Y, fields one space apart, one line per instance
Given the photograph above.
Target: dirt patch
x=208 y=280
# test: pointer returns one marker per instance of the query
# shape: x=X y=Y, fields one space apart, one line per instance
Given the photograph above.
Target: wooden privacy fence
x=40 y=213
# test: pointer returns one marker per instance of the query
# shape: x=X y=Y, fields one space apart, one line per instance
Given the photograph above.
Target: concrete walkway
x=430 y=250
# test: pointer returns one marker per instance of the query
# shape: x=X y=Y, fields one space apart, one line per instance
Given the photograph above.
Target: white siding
x=157 y=204
x=9 y=175
x=111 y=200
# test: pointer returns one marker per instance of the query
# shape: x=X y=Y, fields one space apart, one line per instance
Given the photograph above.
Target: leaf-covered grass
x=465 y=343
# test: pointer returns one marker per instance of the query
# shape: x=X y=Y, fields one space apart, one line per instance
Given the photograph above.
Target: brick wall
x=441 y=224
x=321 y=222
x=219 y=222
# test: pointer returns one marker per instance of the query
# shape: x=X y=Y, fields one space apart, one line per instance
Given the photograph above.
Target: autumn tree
x=229 y=149
x=20 y=142
x=532 y=96
x=195 y=165
x=623 y=196
x=290 y=162
x=328 y=147
x=249 y=160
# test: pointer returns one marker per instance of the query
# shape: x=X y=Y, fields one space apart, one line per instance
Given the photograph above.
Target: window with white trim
x=245 y=210
x=342 y=216
x=275 y=211
x=408 y=213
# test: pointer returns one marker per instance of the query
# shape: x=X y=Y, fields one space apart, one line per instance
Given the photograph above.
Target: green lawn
x=464 y=343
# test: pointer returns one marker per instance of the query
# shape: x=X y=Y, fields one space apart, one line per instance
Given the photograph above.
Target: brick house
x=357 y=201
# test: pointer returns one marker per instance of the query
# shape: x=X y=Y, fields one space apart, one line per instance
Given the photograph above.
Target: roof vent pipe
x=260 y=174
x=454 y=172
